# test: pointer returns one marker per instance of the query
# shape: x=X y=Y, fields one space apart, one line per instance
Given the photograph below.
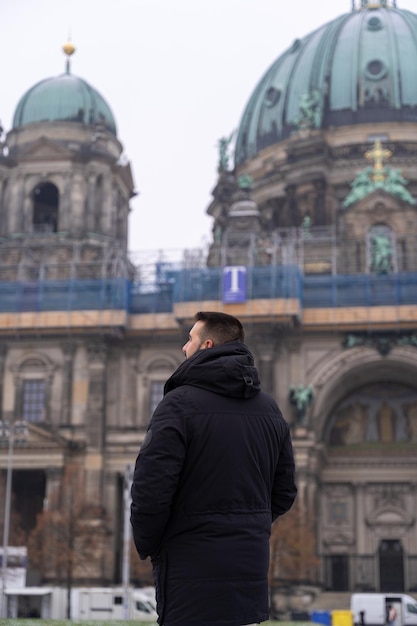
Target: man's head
x=212 y=329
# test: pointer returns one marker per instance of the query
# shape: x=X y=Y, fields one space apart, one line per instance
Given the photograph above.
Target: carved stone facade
x=87 y=370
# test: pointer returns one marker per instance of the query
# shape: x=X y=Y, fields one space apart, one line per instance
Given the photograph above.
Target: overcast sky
x=177 y=75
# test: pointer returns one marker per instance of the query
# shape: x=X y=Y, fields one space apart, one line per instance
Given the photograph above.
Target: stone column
x=16 y=201
x=108 y=207
x=129 y=407
x=3 y=354
x=65 y=208
x=292 y=207
x=78 y=204
x=95 y=421
x=54 y=476
x=265 y=352
x=68 y=349
x=90 y=218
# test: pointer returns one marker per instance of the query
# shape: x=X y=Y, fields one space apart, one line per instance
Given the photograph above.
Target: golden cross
x=377 y=154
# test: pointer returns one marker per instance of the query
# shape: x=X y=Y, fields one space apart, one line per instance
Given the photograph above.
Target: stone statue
x=381 y=254
x=306 y=226
x=301 y=397
x=362 y=186
x=310 y=113
x=224 y=144
x=245 y=182
x=395 y=185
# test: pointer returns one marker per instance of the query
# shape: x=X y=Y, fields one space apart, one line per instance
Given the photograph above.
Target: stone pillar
x=90 y=217
x=16 y=201
x=95 y=421
x=265 y=352
x=319 y=218
x=3 y=354
x=129 y=407
x=27 y=212
x=77 y=204
x=65 y=208
x=96 y=409
x=108 y=207
x=68 y=349
x=112 y=561
x=54 y=477
x=292 y=207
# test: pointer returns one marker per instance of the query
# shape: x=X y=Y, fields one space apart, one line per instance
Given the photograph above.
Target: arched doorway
x=368 y=529
x=45 y=208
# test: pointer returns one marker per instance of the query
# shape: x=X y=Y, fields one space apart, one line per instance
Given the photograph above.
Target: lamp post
x=10 y=433
x=126 y=539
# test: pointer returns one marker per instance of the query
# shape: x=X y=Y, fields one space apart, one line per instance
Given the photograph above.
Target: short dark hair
x=220 y=327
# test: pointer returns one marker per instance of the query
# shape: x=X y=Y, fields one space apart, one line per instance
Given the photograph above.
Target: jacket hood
x=227 y=369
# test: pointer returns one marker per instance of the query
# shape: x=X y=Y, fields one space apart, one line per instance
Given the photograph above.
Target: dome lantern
x=358 y=5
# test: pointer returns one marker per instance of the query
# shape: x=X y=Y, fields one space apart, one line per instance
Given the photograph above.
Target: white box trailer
x=87 y=603
x=371 y=609
x=112 y=603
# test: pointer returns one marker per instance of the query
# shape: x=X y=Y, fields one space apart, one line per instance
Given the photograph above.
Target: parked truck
x=379 y=609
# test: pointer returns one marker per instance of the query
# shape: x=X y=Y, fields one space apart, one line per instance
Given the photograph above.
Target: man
x=215 y=469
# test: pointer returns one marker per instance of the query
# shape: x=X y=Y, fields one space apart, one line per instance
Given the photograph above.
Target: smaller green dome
x=64 y=98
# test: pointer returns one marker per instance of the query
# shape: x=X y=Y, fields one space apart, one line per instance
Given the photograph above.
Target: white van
x=371 y=609
x=144 y=604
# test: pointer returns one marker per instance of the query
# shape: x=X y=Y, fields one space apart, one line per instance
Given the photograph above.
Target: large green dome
x=65 y=98
x=359 y=68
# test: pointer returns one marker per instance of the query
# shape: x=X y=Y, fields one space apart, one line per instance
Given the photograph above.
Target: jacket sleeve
x=157 y=472
x=284 y=489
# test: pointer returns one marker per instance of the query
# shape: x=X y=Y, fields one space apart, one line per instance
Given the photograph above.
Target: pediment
x=338 y=539
x=44 y=149
x=390 y=516
x=39 y=436
x=378 y=200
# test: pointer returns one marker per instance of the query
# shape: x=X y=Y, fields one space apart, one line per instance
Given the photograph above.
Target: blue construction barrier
x=173 y=285
x=321 y=617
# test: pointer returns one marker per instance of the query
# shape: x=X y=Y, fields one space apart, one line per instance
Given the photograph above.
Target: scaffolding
x=310 y=265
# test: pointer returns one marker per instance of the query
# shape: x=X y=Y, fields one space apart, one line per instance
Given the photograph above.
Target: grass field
x=53 y=622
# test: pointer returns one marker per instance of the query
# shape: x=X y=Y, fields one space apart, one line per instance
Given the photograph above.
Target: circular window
x=375 y=70
x=272 y=96
x=374 y=23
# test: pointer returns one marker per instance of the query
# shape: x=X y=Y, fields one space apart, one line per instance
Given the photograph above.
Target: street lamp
x=127 y=499
x=11 y=433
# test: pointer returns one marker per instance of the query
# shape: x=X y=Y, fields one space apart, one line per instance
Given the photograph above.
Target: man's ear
x=208 y=343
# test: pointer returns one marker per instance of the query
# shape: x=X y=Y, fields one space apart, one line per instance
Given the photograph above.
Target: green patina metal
x=392 y=182
x=245 y=182
x=382 y=343
x=224 y=149
x=65 y=98
x=301 y=396
x=334 y=76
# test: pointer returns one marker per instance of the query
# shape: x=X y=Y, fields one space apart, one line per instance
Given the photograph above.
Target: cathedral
x=313 y=247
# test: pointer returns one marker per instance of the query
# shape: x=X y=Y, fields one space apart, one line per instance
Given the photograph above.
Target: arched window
x=33 y=382
x=379 y=413
x=33 y=400
x=45 y=208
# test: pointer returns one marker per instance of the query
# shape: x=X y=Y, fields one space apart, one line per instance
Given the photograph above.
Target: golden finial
x=69 y=50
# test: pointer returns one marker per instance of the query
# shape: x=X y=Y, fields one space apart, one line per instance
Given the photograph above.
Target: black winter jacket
x=215 y=469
